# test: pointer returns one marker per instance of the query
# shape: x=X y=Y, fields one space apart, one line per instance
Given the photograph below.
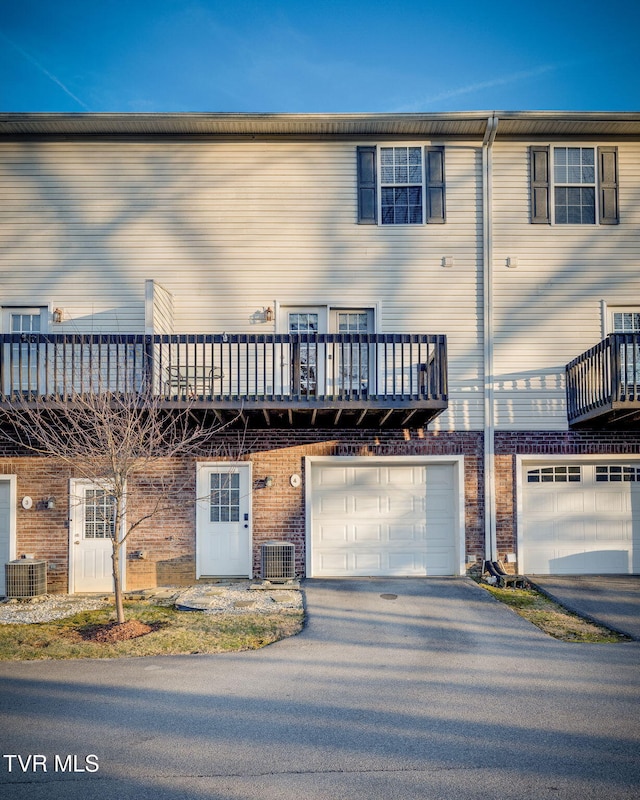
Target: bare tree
x=107 y=438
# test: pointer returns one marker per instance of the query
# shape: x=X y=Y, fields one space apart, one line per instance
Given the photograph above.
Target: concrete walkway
x=405 y=689
x=612 y=600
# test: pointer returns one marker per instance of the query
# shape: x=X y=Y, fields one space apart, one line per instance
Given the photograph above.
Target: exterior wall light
x=57 y=315
x=268 y=482
x=268 y=314
x=50 y=503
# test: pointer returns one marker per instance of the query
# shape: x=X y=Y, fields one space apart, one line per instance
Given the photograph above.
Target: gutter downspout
x=490 y=532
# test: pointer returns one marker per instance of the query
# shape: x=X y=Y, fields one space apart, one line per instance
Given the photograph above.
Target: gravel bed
x=239 y=599
x=46 y=608
x=209 y=598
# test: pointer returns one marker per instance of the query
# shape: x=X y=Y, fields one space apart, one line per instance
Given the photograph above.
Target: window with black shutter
x=401 y=185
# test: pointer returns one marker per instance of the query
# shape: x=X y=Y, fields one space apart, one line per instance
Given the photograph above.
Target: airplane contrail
x=43 y=70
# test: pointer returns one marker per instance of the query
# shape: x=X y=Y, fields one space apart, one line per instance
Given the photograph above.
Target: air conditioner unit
x=278 y=561
x=25 y=577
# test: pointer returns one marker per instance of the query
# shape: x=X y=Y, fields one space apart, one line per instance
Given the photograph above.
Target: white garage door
x=581 y=519
x=383 y=519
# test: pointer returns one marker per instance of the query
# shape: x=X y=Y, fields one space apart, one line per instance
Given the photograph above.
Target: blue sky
x=322 y=56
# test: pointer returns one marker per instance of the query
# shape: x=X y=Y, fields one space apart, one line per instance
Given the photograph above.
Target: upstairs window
x=574 y=178
x=574 y=185
x=400 y=185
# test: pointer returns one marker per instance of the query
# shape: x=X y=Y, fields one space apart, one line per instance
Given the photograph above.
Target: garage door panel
x=404 y=476
x=365 y=477
x=612 y=501
x=333 y=563
x=376 y=520
x=369 y=504
x=438 y=561
x=407 y=563
x=570 y=503
x=331 y=477
x=367 y=533
x=406 y=533
x=332 y=504
x=579 y=528
x=333 y=533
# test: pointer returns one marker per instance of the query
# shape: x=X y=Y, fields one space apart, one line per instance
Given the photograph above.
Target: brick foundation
x=167 y=538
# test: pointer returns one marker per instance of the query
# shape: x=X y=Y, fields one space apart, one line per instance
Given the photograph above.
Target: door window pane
x=99 y=514
x=224 y=498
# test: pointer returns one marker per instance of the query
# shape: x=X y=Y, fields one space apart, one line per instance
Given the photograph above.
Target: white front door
x=7 y=526
x=223 y=520
x=92 y=530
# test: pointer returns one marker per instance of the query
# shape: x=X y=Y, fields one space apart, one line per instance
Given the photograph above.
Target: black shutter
x=540 y=208
x=367 y=190
x=435 y=188
x=608 y=177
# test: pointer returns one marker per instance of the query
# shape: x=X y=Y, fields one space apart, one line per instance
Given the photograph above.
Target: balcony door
x=334 y=369
x=627 y=320
x=352 y=357
x=26 y=371
x=305 y=362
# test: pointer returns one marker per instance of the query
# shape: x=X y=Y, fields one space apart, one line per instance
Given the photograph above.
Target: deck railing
x=605 y=377
x=214 y=368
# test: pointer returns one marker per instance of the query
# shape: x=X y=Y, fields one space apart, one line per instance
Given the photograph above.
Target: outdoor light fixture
x=57 y=315
x=268 y=314
x=50 y=503
x=268 y=482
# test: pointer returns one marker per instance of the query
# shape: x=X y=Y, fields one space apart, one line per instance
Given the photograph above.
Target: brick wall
x=166 y=493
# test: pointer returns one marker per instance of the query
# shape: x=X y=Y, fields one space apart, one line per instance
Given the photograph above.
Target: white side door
x=7 y=526
x=223 y=520
x=91 y=531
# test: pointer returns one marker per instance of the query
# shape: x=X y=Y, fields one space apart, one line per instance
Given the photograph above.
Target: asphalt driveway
x=613 y=600
x=396 y=689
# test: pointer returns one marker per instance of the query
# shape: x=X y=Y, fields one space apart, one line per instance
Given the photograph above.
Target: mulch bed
x=117 y=631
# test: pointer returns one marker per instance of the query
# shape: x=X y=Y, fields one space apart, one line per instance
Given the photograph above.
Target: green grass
x=553 y=618
x=175 y=632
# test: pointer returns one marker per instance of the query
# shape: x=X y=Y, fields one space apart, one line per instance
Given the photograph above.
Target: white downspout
x=487 y=285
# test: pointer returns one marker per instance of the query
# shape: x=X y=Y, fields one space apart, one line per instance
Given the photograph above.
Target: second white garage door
x=382 y=519
x=580 y=518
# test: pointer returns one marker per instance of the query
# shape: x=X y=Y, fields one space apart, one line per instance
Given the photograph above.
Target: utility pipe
x=490 y=535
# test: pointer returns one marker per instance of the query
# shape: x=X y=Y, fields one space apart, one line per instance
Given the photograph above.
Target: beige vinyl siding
x=228 y=228
x=548 y=309
x=159 y=309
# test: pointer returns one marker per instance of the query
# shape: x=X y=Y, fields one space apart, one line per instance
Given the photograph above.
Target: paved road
x=440 y=692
